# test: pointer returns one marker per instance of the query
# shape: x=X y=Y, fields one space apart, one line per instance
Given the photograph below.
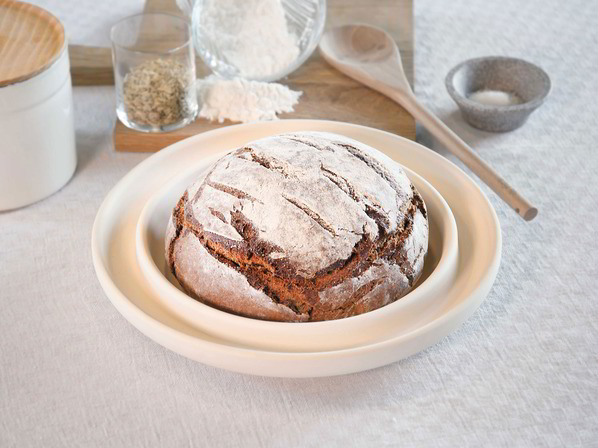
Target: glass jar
x=262 y=40
x=154 y=72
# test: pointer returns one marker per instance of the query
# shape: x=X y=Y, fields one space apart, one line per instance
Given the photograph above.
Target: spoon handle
x=460 y=149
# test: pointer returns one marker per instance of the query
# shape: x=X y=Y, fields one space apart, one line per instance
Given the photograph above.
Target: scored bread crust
x=303 y=226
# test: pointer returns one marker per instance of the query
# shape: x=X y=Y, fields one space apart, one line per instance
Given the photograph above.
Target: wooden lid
x=31 y=39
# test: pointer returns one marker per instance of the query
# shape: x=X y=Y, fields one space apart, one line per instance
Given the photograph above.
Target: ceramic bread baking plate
x=118 y=267
x=439 y=273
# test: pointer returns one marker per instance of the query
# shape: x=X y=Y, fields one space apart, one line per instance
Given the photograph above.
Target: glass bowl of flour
x=262 y=40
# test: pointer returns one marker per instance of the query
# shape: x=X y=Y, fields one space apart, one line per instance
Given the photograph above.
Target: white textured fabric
x=523 y=371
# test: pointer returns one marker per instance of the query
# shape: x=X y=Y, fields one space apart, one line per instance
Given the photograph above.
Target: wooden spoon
x=371 y=56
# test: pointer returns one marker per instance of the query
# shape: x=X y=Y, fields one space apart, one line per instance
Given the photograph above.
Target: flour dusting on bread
x=299 y=226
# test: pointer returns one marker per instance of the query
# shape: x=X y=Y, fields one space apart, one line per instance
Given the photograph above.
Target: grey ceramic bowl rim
x=529 y=105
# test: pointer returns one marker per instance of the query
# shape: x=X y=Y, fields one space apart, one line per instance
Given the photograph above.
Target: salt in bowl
x=508 y=91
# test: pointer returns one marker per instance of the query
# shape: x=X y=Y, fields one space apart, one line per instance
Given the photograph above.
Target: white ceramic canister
x=37 y=136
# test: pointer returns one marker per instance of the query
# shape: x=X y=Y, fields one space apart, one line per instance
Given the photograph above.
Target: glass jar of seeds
x=154 y=72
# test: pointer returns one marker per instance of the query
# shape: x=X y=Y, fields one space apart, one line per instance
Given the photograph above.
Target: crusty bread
x=303 y=226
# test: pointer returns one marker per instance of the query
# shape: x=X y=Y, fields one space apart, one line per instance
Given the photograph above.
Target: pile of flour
x=251 y=34
x=242 y=100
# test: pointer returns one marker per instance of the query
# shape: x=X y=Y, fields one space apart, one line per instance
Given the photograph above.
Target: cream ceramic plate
x=439 y=273
x=115 y=261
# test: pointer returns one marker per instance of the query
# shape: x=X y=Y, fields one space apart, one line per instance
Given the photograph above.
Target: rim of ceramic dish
x=528 y=105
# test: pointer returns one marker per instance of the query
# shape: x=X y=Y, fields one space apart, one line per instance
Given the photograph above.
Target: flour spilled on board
x=242 y=100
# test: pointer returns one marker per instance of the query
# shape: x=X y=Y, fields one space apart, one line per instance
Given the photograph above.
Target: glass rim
x=187 y=42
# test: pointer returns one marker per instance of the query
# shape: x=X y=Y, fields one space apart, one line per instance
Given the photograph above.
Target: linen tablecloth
x=523 y=371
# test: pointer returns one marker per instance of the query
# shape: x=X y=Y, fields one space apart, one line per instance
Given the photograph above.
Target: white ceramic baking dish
x=439 y=272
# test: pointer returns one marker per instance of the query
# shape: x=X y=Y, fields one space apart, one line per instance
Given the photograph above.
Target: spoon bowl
x=359 y=43
x=369 y=50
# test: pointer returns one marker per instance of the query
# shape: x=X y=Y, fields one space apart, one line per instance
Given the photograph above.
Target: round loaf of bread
x=305 y=226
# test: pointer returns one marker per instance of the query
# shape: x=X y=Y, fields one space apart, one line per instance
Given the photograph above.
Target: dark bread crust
x=280 y=278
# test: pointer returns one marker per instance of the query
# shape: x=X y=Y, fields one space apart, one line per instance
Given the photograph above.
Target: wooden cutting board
x=327 y=93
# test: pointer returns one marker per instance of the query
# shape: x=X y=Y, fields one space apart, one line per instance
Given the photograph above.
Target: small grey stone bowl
x=517 y=77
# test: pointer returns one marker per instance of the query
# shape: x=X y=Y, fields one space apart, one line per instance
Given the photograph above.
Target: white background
x=522 y=371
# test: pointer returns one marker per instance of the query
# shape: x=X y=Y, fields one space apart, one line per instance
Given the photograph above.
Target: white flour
x=251 y=34
x=242 y=100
